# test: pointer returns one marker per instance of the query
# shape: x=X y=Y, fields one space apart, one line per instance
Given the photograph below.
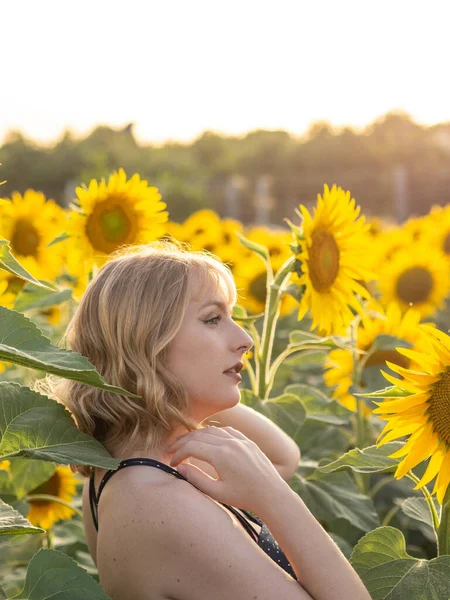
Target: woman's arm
x=279 y=448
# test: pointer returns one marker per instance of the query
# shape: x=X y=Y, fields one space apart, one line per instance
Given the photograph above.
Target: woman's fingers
x=194 y=449
x=200 y=479
x=212 y=435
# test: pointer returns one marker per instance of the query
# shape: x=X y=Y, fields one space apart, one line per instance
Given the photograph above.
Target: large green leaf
x=33 y=297
x=28 y=474
x=389 y=573
x=417 y=508
x=319 y=407
x=372 y=459
x=322 y=441
x=10 y=264
x=52 y=574
x=22 y=343
x=335 y=496
x=33 y=426
x=13 y=523
x=287 y=412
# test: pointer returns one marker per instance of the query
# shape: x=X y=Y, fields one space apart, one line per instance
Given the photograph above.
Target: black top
x=265 y=539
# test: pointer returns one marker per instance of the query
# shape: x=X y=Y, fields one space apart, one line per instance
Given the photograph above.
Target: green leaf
x=250 y=399
x=52 y=574
x=319 y=440
x=27 y=474
x=33 y=297
x=389 y=573
x=22 y=343
x=392 y=391
x=287 y=412
x=3 y=595
x=305 y=338
x=60 y=238
x=335 y=496
x=240 y=314
x=12 y=522
x=10 y=264
x=262 y=251
x=319 y=407
x=372 y=459
x=417 y=508
x=33 y=426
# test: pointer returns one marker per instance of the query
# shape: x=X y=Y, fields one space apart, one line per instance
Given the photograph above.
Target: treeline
x=394 y=168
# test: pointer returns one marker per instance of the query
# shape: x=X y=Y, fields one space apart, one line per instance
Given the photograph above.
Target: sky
x=179 y=67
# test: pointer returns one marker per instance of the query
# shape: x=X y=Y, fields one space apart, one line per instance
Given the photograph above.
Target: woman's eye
x=213 y=321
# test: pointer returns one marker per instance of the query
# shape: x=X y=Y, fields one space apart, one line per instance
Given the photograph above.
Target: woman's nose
x=245 y=341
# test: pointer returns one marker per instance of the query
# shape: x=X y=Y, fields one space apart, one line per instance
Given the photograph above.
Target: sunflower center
x=25 y=239
x=439 y=407
x=108 y=227
x=323 y=260
x=52 y=487
x=446 y=244
x=414 y=285
x=258 y=287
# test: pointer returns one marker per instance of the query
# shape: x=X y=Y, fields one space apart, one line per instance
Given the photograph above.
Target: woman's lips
x=234 y=375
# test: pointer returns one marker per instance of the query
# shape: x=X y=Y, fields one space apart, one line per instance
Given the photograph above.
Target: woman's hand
x=246 y=477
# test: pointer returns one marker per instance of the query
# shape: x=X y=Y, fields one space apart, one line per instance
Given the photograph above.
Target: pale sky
x=179 y=67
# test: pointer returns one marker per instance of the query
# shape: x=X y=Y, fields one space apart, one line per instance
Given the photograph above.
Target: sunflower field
x=351 y=358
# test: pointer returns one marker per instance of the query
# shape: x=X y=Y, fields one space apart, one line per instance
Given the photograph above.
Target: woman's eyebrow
x=217 y=303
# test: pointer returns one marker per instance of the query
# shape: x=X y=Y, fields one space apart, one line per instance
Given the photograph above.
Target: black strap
x=131 y=462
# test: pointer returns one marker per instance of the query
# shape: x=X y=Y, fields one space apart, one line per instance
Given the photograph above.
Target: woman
x=157 y=321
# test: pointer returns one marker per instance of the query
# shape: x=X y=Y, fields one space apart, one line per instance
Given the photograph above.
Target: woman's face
x=205 y=349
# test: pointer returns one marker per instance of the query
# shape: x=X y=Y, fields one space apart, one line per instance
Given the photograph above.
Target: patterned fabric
x=265 y=539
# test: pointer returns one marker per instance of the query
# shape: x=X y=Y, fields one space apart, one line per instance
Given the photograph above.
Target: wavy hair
x=128 y=316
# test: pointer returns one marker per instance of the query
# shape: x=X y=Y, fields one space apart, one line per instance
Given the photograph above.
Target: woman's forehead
x=206 y=286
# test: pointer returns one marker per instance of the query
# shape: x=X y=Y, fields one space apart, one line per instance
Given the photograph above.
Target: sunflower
x=30 y=223
x=4 y=465
x=424 y=415
x=437 y=229
x=201 y=229
x=110 y=215
x=250 y=275
x=416 y=279
x=388 y=243
x=276 y=241
x=333 y=251
x=62 y=484
x=339 y=364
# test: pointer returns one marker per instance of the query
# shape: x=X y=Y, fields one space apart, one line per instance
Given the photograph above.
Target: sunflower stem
x=49 y=539
x=50 y=498
x=444 y=527
x=429 y=499
x=272 y=311
x=251 y=373
x=390 y=515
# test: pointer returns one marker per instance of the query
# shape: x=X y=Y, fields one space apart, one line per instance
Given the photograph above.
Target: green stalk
x=272 y=311
x=444 y=527
x=251 y=373
x=54 y=499
x=431 y=506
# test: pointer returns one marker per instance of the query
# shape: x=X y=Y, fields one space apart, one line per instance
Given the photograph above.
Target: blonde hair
x=124 y=324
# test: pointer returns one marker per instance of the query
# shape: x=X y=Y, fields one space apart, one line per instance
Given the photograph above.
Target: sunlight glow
x=178 y=68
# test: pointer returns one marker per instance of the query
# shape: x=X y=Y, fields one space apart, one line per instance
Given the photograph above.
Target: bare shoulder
x=169 y=540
